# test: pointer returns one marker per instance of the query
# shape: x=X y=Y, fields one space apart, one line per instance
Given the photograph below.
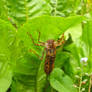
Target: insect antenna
x=31 y=37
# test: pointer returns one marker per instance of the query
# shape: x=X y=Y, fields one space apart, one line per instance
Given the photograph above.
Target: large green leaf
x=7 y=37
x=61 y=82
x=54 y=26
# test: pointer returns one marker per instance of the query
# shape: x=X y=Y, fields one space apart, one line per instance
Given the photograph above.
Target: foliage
x=21 y=70
x=60 y=81
x=7 y=37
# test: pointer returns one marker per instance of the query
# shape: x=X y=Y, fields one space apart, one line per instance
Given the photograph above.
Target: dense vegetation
x=23 y=71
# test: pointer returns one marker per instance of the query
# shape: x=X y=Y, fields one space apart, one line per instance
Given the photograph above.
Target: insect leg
x=34 y=52
x=59 y=41
x=62 y=38
x=43 y=54
x=41 y=58
x=32 y=39
x=42 y=43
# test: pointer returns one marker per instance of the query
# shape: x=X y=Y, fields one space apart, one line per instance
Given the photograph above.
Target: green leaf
x=63 y=7
x=6 y=79
x=54 y=26
x=76 y=32
x=61 y=82
x=22 y=11
x=41 y=78
x=86 y=35
x=7 y=37
x=3 y=10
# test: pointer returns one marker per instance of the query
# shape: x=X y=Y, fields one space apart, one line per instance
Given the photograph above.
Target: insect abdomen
x=49 y=65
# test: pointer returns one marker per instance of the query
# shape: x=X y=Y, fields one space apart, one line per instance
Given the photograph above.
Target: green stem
x=56 y=8
x=26 y=8
x=90 y=83
x=80 y=83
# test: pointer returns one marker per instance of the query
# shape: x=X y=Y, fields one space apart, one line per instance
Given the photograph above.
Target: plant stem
x=56 y=8
x=90 y=83
x=80 y=83
x=26 y=8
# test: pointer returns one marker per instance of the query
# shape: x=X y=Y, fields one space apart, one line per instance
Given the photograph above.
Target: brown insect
x=50 y=49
